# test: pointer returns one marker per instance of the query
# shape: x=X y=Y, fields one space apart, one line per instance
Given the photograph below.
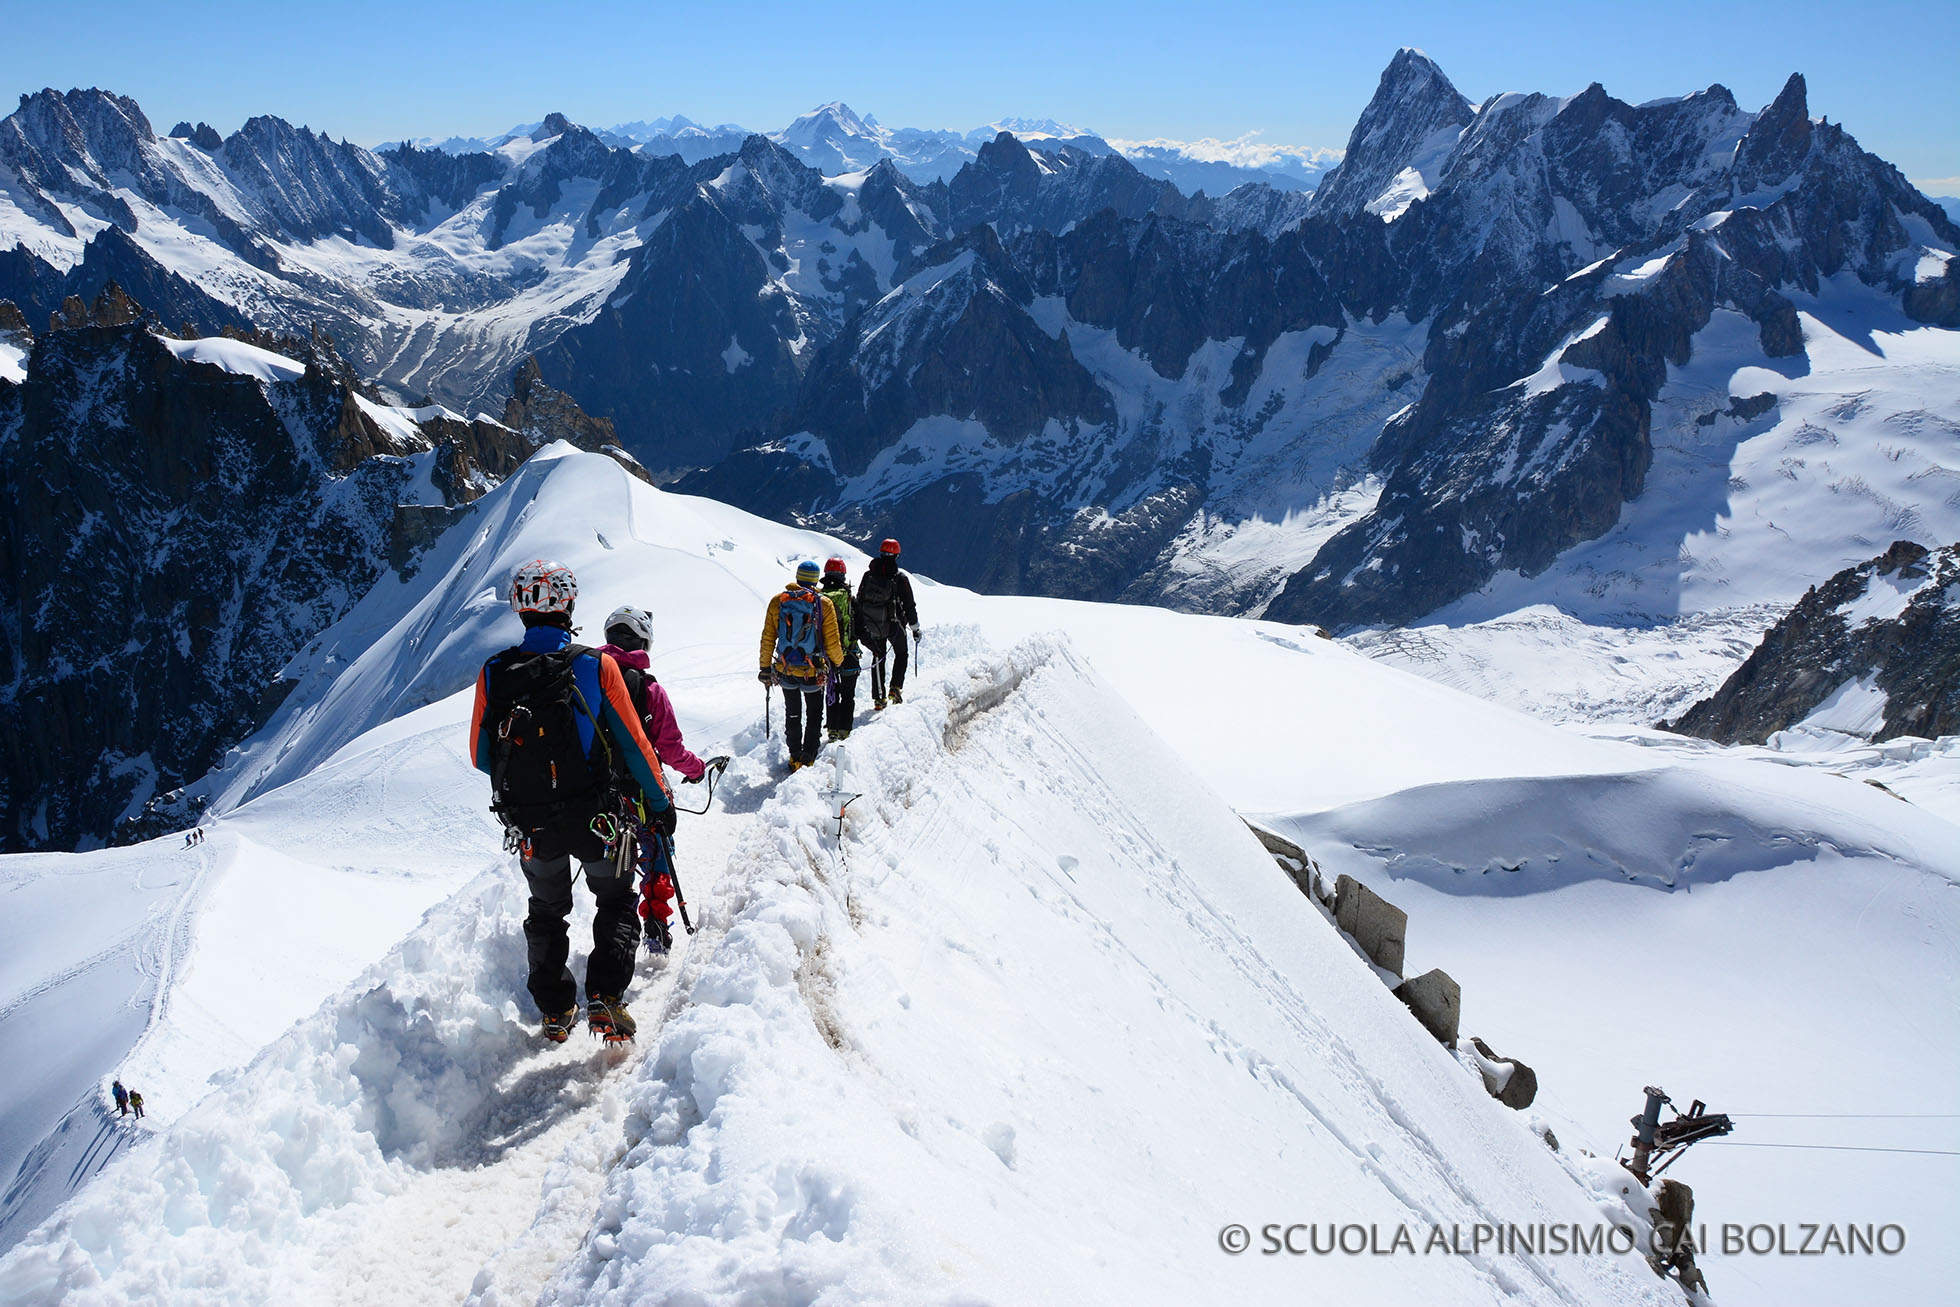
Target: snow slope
x=1769 y=476
x=1044 y=1019
x=1773 y=943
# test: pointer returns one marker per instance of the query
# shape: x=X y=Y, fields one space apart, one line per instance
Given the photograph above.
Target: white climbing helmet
x=637 y=620
x=542 y=586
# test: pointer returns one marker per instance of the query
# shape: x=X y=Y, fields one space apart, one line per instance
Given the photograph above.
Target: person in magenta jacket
x=629 y=632
x=629 y=635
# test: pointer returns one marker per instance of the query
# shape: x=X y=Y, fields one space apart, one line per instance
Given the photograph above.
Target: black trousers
x=803 y=719
x=887 y=673
x=615 y=930
x=844 y=711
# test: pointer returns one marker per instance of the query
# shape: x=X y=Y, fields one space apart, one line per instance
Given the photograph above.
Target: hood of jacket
x=627 y=657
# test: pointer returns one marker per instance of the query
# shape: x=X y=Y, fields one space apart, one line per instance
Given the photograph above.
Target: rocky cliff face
x=39 y=291
x=172 y=530
x=1874 y=651
x=1539 y=264
x=1017 y=188
x=1569 y=255
x=1407 y=131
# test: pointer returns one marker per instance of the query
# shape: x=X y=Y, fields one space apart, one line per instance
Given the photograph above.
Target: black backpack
x=541 y=780
x=874 y=604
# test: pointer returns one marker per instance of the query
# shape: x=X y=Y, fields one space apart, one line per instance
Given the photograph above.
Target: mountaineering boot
x=795 y=766
x=660 y=936
x=606 y=1015
x=878 y=704
x=558 y=1025
x=898 y=695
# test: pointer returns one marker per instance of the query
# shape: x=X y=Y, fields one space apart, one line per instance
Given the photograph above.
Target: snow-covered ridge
x=842 y=1072
x=236 y=356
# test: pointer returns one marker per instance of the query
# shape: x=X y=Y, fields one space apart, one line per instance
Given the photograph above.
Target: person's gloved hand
x=915 y=631
x=665 y=820
x=693 y=780
x=766 y=676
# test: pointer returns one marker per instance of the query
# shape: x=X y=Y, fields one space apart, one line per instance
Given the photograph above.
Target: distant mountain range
x=834 y=140
x=1650 y=358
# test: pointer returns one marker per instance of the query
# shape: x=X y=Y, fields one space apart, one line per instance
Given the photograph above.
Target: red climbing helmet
x=889 y=547
x=833 y=566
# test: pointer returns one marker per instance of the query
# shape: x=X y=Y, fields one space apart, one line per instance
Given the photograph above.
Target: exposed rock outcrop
x=1508 y=1080
x=1378 y=926
x=1437 y=1003
x=1874 y=651
x=171 y=532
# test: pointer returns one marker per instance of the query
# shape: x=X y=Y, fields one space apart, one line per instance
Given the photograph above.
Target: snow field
x=1737 y=927
x=170 y=966
x=1730 y=516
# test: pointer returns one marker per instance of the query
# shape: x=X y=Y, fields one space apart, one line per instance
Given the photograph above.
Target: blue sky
x=1296 y=74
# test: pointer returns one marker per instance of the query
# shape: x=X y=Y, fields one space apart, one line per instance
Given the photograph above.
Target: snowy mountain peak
x=92 y=132
x=834 y=116
x=1400 y=140
x=1032 y=129
x=554 y=124
x=79 y=117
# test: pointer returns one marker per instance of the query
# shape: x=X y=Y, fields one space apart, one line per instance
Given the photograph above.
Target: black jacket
x=884 y=599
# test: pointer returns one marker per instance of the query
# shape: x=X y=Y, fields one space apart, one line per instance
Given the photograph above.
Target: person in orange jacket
x=801 y=647
x=551 y=718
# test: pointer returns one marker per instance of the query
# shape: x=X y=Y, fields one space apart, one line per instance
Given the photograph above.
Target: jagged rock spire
x=1412 y=102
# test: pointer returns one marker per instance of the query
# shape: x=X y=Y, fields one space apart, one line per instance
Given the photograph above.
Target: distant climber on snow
x=136 y=1104
x=121 y=1096
x=552 y=721
x=629 y=641
x=885 y=609
x=800 y=646
x=843 y=701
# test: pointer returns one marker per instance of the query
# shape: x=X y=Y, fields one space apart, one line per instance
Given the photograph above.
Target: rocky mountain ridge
x=1874 y=652
x=177 y=518
x=1343 y=408
x=1548 y=261
x=834 y=139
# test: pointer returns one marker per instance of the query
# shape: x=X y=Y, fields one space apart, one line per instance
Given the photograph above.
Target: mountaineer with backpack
x=800 y=646
x=843 y=707
x=885 y=609
x=552 y=720
x=629 y=640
